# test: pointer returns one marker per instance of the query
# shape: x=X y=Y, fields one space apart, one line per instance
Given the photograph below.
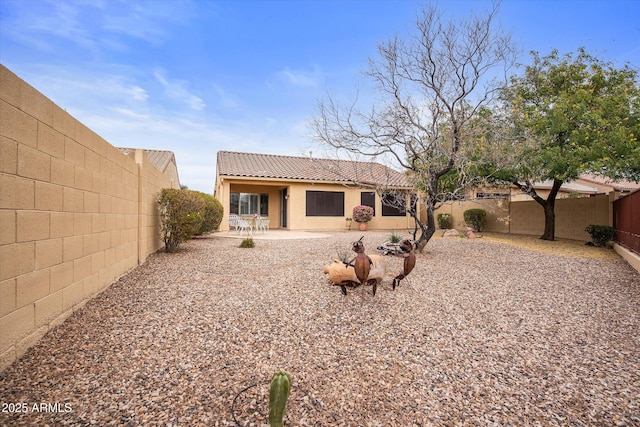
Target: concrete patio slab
x=274 y=235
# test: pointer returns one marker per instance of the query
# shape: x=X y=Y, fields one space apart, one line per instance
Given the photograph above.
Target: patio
x=274 y=234
x=480 y=333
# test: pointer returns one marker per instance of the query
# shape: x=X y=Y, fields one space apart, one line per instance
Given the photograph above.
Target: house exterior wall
x=297 y=218
x=75 y=214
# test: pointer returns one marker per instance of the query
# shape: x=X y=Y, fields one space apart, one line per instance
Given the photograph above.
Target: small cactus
x=278 y=395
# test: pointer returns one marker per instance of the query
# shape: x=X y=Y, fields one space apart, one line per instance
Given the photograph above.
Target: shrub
x=180 y=216
x=362 y=213
x=600 y=234
x=476 y=218
x=395 y=238
x=343 y=254
x=247 y=243
x=212 y=214
x=445 y=222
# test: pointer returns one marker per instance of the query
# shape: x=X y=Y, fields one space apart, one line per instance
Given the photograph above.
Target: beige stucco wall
x=521 y=217
x=296 y=205
x=75 y=214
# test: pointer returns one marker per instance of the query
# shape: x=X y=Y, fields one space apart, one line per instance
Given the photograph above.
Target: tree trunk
x=426 y=229
x=549 y=211
x=549 y=221
x=548 y=205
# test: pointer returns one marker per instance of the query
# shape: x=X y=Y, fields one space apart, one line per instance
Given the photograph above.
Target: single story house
x=604 y=185
x=586 y=185
x=307 y=193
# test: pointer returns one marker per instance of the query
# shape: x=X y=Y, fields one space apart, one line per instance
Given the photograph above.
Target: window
x=368 y=198
x=325 y=203
x=249 y=204
x=485 y=195
x=394 y=204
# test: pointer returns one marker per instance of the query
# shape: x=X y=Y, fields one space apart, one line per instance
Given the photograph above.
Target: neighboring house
x=164 y=161
x=606 y=185
x=586 y=185
x=306 y=193
x=543 y=188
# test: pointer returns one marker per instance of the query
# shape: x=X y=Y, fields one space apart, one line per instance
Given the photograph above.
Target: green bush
x=445 y=221
x=600 y=234
x=212 y=214
x=247 y=243
x=181 y=216
x=476 y=218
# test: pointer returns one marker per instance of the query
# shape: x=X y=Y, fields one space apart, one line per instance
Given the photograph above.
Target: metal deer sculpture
x=361 y=264
x=409 y=261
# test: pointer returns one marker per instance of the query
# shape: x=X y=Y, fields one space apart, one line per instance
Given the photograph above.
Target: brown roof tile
x=253 y=165
x=158 y=158
x=620 y=185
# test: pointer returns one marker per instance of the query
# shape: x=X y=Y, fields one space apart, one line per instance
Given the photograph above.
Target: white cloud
x=176 y=89
x=54 y=20
x=138 y=93
x=300 y=77
x=135 y=108
x=225 y=100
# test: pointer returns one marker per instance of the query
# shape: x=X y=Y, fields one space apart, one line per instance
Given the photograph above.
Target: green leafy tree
x=181 y=215
x=569 y=115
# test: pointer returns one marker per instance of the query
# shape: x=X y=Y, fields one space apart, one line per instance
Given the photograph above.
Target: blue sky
x=196 y=77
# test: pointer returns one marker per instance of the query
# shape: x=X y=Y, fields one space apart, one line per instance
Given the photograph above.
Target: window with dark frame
x=394 y=204
x=368 y=198
x=324 y=203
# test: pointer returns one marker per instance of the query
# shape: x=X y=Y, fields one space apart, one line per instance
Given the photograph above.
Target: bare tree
x=431 y=84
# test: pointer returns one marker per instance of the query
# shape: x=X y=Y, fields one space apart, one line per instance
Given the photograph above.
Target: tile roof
x=566 y=186
x=621 y=185
x=158 y=158
x=271 y=166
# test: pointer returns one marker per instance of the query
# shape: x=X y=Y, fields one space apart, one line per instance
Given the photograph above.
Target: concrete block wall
x=150 y=182
x=69 y=215
x=497 y=213
x=573 y=215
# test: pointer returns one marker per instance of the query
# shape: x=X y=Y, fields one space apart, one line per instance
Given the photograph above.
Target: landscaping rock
x=483 y=334
x=451 y=233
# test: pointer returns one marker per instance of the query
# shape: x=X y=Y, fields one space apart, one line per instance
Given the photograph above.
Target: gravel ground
x=480 y=333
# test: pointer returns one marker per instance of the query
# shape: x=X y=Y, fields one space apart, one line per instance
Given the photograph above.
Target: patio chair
x=244 y=225
x=262 y=224
x=233 y=221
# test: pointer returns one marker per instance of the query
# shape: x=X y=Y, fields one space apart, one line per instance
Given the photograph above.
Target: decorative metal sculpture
x=409 y=261
x=361 y=264
x=362 y=269
x=341 y=274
